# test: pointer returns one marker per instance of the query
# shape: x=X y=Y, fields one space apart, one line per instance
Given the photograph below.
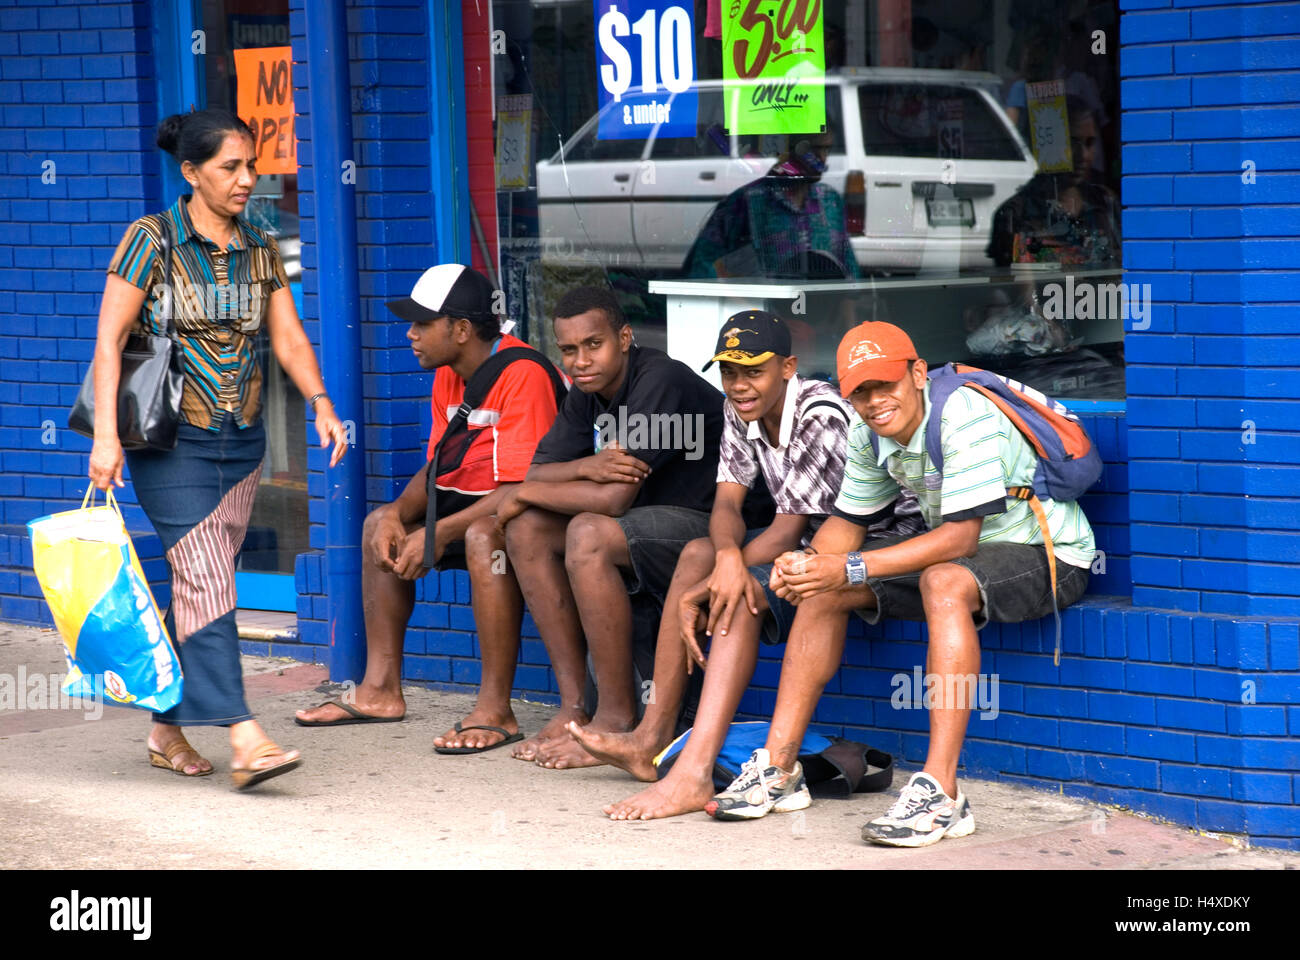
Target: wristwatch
x=855 y=568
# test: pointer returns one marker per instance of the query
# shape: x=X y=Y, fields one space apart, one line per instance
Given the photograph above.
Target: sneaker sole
x=796 y=801
x=962 y=828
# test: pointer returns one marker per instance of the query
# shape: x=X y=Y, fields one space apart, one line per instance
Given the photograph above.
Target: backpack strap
x=476 y=390
x=1027 y=494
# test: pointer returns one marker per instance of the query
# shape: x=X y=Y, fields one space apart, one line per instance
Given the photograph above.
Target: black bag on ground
x=149 y=389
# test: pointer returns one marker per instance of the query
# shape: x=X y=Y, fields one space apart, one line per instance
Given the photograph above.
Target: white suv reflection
x=922 y=158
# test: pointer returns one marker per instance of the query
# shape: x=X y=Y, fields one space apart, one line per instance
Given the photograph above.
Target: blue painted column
x=180 y=82
x=329 y=95
x=447 y=133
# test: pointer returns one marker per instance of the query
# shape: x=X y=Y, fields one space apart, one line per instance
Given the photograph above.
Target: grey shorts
x=1014 y=581
x=656 y=536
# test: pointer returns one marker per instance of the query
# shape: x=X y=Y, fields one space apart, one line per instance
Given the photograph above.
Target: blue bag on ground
x=113 y=635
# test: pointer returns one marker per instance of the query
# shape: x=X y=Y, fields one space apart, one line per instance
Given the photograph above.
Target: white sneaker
x=760 y=789
x=923 y=814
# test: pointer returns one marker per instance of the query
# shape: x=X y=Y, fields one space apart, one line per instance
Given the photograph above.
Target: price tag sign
x=1049 y=126
x=645 y=69
x=514 y=141
x=774 y=66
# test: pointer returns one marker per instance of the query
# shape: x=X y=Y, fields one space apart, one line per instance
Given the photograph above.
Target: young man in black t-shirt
x=620 y=484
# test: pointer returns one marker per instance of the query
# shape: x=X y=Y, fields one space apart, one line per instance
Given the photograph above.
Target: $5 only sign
x=645 y=69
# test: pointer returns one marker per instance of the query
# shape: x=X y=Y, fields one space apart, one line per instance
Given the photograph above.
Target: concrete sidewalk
x=77 y=792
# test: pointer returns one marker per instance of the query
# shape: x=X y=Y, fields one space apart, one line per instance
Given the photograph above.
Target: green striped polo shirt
x=983 y=455
x=219 y=303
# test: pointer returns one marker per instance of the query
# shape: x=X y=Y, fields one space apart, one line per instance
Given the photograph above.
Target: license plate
x=950 y=213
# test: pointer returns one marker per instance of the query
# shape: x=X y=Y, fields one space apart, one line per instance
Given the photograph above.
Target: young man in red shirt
x=453 y=330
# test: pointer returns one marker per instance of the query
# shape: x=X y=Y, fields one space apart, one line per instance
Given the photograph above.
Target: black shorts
x=656 y=536
x=1014 y=581
x=453 y=554
x=453 y=557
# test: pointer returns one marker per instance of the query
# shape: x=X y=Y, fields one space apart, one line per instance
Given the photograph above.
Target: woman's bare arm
x=118 y=310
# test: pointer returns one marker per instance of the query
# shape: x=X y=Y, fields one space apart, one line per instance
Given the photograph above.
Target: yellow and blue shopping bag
x=113 y=635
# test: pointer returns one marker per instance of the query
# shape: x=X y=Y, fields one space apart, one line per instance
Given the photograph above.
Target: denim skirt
x=199 y=497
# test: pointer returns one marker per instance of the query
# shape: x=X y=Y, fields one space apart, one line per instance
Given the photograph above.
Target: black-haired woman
x=228 y=282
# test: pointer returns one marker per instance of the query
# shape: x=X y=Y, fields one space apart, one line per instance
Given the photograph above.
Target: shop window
x=965 y=185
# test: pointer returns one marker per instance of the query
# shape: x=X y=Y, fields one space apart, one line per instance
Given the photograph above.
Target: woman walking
x=227 y=283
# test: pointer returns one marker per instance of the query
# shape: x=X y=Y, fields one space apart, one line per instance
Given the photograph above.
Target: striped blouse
x=219 y=302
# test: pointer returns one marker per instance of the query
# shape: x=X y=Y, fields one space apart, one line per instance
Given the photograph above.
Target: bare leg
x=498 y=613
x=595 y=548
x=951 y=596
x=535 y=544
x=387 y=601
x=634 y=751
x=812 y=656
x=689 y=784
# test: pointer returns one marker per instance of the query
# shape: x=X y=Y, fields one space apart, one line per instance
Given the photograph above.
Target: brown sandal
x=164 y=760
x=245 y=777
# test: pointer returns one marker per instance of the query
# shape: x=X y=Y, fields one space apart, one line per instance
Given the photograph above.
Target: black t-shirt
x=664 y=413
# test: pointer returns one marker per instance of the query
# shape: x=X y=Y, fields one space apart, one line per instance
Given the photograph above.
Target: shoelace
x=912 y=794
x=750 y=773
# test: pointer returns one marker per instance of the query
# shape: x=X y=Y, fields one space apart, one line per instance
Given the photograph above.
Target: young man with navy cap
x=454 y=331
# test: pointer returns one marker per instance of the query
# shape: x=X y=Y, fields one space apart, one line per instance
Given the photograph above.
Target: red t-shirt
x=515 y=414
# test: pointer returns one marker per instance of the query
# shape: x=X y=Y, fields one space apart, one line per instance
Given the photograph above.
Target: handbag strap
x=167 y=305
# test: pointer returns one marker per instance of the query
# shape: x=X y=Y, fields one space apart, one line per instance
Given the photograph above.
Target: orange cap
x=873 y=351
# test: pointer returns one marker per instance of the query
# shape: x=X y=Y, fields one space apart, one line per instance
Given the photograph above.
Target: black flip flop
x=509 y=738
x=356 y=716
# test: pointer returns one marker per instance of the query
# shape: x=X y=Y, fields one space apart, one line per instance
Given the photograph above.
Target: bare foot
x=669 y=797
x=188 y=762
x=566 y=753
x=369 y=700
x=627 y=751
x=478 y=739
x=528 y=749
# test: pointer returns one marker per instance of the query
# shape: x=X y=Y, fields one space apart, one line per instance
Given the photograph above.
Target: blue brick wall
x=1183 y=702
x=1210 y=123
x=78 y=164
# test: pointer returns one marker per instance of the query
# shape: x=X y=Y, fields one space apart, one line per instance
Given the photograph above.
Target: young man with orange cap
x=981 y=559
